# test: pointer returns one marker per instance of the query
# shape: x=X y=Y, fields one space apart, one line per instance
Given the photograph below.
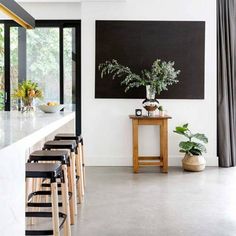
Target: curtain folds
x=226 y=91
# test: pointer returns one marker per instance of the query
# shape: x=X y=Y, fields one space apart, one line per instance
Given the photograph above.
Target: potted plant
x=27 y=91
x=161 y=111
x=193 y=159
x=161 y=75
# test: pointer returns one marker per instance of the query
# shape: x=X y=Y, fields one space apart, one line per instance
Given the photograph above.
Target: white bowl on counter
x=51 y=109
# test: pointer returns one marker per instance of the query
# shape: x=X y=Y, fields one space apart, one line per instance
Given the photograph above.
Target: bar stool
x=61 y=156
x=51 y=171
x=69 y=145
x=80 y=147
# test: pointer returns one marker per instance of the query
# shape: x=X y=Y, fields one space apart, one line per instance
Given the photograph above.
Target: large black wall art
x=138 y=43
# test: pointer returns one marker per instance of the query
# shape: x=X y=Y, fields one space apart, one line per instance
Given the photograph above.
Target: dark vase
x=150 y=104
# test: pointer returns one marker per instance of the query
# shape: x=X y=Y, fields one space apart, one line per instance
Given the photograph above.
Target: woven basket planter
x=194 y=163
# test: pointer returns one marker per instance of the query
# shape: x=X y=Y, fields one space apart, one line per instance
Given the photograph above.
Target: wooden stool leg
x=55 y=211
x=38 y=188
x=82 y=154
x=33 y=189
x=65 y=201
x=29 y=189
x=73 y=182
x=72 y=210
x=80 y=181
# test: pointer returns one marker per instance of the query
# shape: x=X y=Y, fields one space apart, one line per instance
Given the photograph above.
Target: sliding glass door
x=45 y=55
x=48 y=55
x=43 y=61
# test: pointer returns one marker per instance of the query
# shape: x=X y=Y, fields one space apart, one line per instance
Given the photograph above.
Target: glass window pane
x=13 y=64
x=43 y=61
x=69 y=65
x=2 y=67
x=35 y=56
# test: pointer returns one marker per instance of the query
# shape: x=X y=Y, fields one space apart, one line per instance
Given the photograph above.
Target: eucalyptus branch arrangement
x=191 y=147
x=161 y=75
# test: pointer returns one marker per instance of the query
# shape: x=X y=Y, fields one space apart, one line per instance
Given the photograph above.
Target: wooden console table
x=161 y=160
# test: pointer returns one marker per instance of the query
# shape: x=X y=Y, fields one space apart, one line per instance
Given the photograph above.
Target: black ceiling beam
x=17 y=13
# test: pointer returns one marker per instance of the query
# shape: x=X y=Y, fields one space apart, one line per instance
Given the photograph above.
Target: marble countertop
x=15 y=126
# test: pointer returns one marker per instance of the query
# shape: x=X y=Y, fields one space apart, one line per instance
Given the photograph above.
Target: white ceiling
x=68 y=1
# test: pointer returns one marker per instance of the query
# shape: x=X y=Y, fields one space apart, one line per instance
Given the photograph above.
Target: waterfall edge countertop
x=20 y=127
x=18 y=134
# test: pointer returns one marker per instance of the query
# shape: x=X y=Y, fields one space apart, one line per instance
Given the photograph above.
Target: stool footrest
x=49 y=185
x=43 y=215
x=44 y=193
x=41 y=193
x=42 y=204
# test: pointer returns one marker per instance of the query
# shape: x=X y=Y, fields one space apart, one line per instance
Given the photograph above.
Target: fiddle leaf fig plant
x=191 y=146
x=161 y=75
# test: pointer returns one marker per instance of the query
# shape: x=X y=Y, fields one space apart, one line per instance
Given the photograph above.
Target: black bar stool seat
x=69 y=136
x=61 y=144
x=43 y=170
x=50 y=155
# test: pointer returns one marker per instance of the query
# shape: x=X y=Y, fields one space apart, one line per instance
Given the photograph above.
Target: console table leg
x=164 y=145
x=135 y=146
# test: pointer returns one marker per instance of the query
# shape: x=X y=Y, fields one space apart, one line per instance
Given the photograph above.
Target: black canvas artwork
x=137 y=44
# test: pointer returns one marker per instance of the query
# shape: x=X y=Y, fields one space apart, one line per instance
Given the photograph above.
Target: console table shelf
x=161 y=160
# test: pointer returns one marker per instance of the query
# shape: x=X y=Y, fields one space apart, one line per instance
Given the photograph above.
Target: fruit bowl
x=51 y=109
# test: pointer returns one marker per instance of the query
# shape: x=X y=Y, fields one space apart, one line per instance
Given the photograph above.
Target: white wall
x=106 y=127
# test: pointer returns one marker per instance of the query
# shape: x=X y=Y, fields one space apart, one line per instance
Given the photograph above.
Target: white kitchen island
x=20 y=134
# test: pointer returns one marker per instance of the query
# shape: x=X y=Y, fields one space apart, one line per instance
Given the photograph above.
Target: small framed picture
x=138 y=112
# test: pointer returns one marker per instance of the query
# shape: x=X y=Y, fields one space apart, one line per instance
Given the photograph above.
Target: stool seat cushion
x=43 y=170
x=68 y=136
x=61 y=144
x=48 y=155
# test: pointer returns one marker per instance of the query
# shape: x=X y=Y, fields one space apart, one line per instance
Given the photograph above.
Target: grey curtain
x=226 y=91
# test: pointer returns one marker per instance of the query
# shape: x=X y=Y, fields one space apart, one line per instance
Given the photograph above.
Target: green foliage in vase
x=161 y=75
x=190 y=147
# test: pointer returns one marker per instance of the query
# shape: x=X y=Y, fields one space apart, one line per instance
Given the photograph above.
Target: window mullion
x=7 y=67
x=22 y=54
x=61 y=66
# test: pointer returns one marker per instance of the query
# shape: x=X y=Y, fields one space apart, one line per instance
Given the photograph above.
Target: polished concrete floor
x=120 y=203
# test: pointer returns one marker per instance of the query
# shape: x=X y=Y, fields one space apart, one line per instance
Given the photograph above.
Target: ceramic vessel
x=51 y=109
x=194 y=163
x=150 y=103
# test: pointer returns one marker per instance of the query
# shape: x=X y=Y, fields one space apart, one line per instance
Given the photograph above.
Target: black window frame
x=61 y=24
